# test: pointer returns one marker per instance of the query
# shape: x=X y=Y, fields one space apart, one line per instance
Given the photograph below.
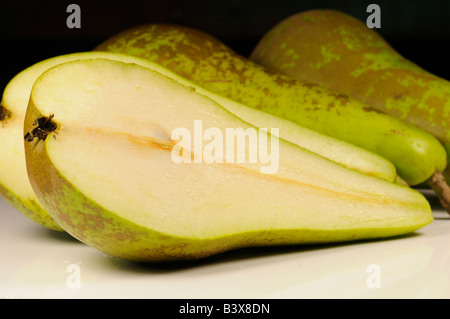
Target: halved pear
x=14 y=184
x=105 y=172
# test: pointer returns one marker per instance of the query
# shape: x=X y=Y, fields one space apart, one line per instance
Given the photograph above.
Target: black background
x=31 y=31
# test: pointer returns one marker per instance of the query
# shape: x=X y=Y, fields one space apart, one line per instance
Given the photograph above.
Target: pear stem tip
x=439 y=184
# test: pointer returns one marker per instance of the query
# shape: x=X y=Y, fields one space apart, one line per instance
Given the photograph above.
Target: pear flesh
x=14 y=184
x=107 y=176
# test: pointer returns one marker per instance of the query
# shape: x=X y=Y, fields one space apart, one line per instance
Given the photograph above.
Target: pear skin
x=209 y=63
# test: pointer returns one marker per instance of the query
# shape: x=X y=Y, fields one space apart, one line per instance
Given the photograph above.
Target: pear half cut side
x=106 y=174
x=14 y=184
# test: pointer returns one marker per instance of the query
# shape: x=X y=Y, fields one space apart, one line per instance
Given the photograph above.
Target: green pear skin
x=209 y=63
x=297 y=205
x=336 y=50
x=339 y=51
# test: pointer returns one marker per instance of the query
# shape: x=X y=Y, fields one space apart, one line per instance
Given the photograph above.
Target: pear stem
x=440 y=186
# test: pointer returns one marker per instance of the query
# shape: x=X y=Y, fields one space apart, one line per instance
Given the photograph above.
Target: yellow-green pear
x=110 y=156
x=336 y=50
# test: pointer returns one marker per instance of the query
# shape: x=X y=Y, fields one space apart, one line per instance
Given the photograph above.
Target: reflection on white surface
x=40 y=263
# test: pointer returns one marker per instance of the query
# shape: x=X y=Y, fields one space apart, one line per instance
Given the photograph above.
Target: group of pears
x=86 y=140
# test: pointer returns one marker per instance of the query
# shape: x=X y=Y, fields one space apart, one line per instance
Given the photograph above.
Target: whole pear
x=336 y=50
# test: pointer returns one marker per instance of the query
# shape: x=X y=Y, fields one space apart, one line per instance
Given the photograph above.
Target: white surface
x=38 y=263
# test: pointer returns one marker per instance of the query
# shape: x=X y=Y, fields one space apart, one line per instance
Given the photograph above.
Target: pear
x=209 y=63
x=102 y=151
x=14 y=184
x=336 y=50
